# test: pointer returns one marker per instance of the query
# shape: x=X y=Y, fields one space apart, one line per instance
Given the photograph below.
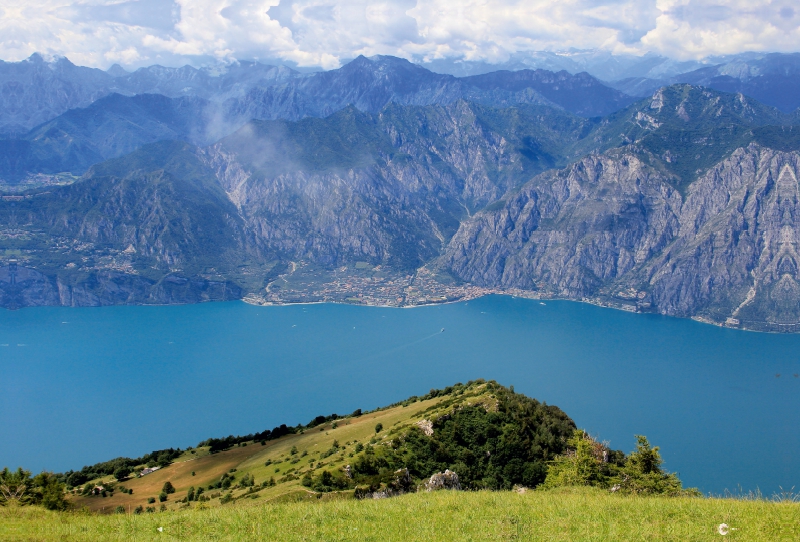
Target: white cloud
x=323 y=32
x=691 y=29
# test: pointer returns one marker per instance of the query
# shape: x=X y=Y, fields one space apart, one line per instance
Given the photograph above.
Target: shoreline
x=526 y=295
x=522 y=294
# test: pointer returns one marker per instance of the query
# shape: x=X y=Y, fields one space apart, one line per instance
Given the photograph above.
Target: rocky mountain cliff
x=613 y=228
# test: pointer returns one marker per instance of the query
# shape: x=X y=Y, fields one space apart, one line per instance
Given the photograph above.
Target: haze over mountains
x=180 y=185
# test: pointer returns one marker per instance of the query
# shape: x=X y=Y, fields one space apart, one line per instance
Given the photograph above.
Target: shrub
x=378 y=428
x=119 y=509
x=168 y=487
x=138 y=510
x=642 y=473
x=151 y=500
x=121 y=473
x=580 y=466
x=44 y=489
x=162 y=497
x=247 y=481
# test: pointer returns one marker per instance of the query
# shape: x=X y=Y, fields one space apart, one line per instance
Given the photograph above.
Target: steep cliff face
x=735 y=255
x=612 y=227
x=570 y=231
x=388 y=188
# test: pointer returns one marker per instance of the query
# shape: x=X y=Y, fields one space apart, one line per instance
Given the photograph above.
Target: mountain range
x=184 y=185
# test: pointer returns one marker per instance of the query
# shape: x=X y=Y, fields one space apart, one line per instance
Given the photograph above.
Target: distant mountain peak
x=117 y=71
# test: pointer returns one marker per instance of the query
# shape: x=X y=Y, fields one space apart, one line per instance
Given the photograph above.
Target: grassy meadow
x=566 y=514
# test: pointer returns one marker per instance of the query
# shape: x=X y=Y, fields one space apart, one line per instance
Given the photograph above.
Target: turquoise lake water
x=78 y=386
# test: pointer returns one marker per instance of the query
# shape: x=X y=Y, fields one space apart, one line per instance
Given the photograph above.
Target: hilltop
x=332 y=478
x=343 y=455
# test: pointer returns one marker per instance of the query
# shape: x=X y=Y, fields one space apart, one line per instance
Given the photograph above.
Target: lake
x=82 y=385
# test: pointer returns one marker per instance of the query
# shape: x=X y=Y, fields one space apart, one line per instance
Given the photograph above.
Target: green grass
x=576 y=514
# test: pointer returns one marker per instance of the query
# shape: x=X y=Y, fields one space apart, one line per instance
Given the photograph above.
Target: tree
x=580 y=465
x=16 y=486
x=49 y=491
x=378 y=428
x=642 y=473
x=121 y=473
x=44 y=489
x=168 y=487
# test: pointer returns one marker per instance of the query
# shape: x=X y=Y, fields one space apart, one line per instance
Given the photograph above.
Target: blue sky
x=323 y=32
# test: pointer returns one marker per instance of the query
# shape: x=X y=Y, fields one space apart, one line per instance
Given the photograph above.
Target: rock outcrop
x=443 y=480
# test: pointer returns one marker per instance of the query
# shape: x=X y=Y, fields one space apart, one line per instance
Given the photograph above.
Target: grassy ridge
x=573 y=514
x=252 y=460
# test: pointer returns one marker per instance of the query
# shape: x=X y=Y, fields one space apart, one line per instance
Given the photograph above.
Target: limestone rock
x=426 y=426
x=443 y=480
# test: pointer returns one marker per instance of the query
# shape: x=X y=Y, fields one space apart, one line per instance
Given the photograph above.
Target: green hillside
x=525 y=471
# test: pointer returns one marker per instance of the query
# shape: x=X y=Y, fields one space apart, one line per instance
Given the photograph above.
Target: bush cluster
x=588 y=462
x=45 y=489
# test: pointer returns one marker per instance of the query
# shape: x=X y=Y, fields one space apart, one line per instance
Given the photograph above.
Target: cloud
x=324 y=32
x=690 y=29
